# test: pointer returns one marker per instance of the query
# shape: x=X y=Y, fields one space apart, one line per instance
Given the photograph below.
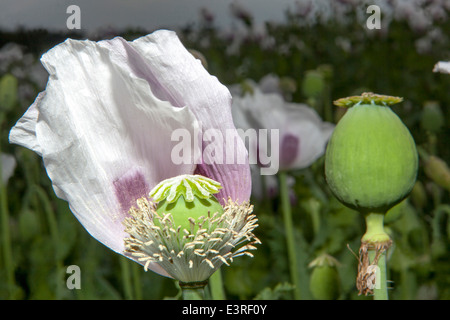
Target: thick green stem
x=193 y=294
x=54 y=234
x=216 y=286
x=375 y=229
x=7 y=251
x=6 y=239
x=136 y=269
x=314 y=211
x=377 y=242
x=193 y=291
x=380 y=290
x=289 y=229
x=126 y=278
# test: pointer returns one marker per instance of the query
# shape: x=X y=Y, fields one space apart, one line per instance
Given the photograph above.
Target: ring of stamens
x=190 y=255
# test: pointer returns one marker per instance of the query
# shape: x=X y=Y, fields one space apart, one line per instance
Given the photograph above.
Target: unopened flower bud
x=324 y=282
x=313 y=84
x=419 y=195
x=438 y=171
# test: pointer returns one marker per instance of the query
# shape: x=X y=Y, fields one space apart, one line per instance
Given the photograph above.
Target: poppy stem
x=377 y=242
x=126 y=278
x=289 y=229
x=216 y=286
x=54 y=235
x=380 y=291
x=193 y=290
x=6 y=239
x=136 y=269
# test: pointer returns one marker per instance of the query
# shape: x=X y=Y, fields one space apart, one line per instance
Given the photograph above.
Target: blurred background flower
x=442 y=66
x=302 y=133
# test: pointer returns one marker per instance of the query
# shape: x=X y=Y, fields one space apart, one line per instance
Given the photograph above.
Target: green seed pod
x=371 y=159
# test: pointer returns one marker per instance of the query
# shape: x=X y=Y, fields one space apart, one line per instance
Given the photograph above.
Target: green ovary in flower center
x=185 y=212
x=188 y=232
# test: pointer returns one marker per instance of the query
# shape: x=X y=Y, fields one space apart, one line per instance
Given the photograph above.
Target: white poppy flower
x=104 y=125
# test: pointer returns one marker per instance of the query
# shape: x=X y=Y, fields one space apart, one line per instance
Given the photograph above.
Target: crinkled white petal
x=104 y=135
x=178 y=77
x=24 y=132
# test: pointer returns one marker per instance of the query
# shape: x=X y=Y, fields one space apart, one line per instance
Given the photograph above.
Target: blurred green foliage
x=343 y=59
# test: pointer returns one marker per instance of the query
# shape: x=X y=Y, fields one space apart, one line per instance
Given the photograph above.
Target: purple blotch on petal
x=129 y=188
x=290 y=146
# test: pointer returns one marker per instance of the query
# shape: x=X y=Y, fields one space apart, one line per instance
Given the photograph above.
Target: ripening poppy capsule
x=371 y=159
